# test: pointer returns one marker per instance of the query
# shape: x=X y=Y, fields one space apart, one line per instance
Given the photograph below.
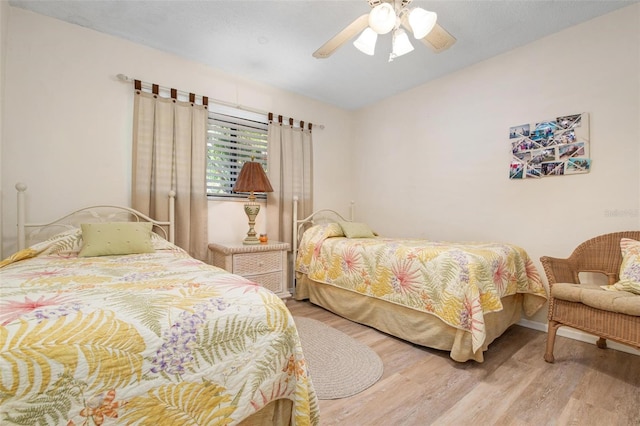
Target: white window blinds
x=234 y=136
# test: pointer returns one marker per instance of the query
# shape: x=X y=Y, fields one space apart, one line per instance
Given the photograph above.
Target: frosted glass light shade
x=366 y=42
x=422 y=22
x=382 y=18
x=400 y=44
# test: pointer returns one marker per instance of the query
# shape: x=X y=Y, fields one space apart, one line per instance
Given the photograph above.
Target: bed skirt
x=277 y=413
x=409 y=324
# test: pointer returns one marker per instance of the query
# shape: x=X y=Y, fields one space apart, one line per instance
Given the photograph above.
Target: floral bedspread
x=458 y=283
x=157 y=338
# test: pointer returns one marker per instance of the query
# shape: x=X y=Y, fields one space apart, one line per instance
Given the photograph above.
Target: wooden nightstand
x=265 y=264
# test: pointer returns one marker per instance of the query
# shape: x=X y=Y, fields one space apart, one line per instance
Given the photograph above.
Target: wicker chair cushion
x=594 y=296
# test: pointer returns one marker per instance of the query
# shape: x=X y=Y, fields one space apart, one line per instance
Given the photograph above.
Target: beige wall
x=65 y=104
x=447 y=168
x=4 y=24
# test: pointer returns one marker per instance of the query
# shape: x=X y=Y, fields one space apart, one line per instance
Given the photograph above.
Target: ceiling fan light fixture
x=400 y=44
x=382 y=18
x=366 y=42
x=422 y=22
x=387 y=16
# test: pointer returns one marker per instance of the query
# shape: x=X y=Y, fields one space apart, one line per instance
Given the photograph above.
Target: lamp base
x=252 y=210
x=249 y=241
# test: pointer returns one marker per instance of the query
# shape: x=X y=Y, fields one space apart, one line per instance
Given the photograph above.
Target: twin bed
x=453 y=297
x=108 y=323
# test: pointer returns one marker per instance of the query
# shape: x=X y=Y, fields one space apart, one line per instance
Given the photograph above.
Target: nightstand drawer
x=257 y=263
x=273 y=281
x=264 y=264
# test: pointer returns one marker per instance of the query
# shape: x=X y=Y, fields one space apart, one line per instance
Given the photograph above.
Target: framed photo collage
x=554 y=147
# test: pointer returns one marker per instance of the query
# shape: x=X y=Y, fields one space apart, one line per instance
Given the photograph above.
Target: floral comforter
x=157 y=338
x=458 y=283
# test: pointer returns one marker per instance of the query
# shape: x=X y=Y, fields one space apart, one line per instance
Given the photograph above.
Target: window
x=234 y=136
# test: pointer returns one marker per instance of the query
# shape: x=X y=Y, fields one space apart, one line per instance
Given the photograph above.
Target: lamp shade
x=252 y=178
x=421 y=22
x=400 y=44
x=382 y=18
x=366 y=42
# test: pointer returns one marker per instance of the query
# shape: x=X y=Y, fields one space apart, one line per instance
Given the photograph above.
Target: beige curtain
x=290 y=156
x=169 y=153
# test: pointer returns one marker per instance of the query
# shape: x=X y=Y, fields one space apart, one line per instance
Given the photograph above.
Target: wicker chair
x=613 y=315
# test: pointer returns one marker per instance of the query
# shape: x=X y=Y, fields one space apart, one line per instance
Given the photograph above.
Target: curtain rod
x=175 y=92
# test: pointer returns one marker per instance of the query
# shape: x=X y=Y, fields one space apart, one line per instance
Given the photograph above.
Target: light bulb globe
x=366 y=42
x=382 y=18
x=421 y=22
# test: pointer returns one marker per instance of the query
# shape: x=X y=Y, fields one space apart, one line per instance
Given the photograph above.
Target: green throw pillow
x=356 y=230
x=112 y=238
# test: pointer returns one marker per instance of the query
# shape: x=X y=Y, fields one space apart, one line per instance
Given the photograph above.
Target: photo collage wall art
x=555 y=147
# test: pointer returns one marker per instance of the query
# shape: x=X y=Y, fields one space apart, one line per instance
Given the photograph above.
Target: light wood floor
x=514 y=386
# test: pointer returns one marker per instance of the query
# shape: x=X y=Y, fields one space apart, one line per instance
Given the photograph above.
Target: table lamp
x=252 y=178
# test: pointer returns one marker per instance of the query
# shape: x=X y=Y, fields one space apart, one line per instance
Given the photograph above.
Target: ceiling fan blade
x=439 y=39
x=342 y=37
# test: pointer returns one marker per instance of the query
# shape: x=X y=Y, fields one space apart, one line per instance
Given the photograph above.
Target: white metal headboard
x=320 y=216
x=99 y=213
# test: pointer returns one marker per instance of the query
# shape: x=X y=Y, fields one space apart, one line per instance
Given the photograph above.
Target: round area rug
x=339 y=365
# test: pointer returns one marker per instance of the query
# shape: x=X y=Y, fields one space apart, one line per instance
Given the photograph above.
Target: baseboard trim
x=574 y=334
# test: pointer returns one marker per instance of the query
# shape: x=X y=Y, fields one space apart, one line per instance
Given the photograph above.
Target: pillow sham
x=321 y=232
x=630 y=267
x=160 y=243
x=332 y=230
x=113 y=238
x=69 y=241
x=356 y=230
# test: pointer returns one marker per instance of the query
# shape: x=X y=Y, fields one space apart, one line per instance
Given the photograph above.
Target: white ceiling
x=272 y=41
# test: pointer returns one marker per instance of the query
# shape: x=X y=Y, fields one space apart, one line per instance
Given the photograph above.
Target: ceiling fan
x=391 y=16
